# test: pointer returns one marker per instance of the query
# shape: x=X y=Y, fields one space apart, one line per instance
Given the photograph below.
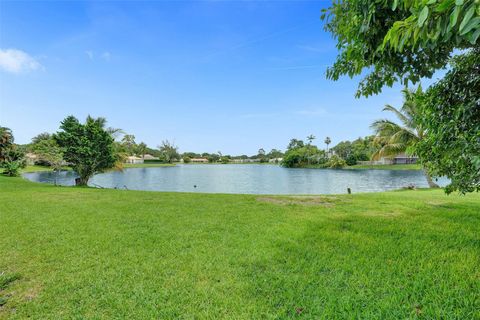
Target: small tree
x=169 y=151
x=88 y=147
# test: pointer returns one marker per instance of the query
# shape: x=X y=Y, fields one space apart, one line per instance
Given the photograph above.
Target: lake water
x=245 y=178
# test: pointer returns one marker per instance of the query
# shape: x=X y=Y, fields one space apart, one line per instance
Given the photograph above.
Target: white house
x=133 y=160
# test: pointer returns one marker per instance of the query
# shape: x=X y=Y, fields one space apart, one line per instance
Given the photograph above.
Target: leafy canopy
x=88 y=147
x=450 y=115
x=398 y=40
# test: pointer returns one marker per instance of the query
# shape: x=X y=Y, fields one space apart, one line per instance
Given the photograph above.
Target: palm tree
x=327 y=142
x=310 y=139
x=396 y=138
x=142 y=149
x=6 y=140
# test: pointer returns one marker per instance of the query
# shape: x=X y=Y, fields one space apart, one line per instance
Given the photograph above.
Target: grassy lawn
x=388 y=167
x=91 y=253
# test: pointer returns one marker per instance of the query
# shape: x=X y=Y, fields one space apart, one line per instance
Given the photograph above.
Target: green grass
x=99 y=253
x=387 y=167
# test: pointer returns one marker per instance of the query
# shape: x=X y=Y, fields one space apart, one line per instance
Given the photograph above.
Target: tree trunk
x=431 y=184
x=82 y=181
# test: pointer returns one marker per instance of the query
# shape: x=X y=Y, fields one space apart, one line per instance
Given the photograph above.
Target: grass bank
x=387 y=167
x=91 y=253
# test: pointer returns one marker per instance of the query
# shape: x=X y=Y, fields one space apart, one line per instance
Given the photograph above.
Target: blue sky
x=211 y=75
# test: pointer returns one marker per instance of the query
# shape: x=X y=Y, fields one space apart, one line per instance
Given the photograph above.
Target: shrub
x=12 y=168
x=187 y=160
x=336 y=162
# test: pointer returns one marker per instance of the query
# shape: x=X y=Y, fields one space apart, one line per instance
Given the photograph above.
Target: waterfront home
x=133 y=160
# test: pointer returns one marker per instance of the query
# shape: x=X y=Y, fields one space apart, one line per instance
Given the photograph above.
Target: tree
x=88 y=147
x=41 y=137
x=129 y=144
x=6 y=141
x=49 y=151
x=141 y=149
x=450 y=115
x=396 y=138
x=327 y=141
x=169 y=151
x=398 y=41
x=294 y=144
x=11 y=157
x=310 y=139
x=274 y=154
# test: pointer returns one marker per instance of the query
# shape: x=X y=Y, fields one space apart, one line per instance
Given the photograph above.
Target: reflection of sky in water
x=255 y=179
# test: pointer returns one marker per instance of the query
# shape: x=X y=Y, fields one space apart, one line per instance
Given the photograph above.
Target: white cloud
x=18 y=61
x=106 y=55
x=89 y=53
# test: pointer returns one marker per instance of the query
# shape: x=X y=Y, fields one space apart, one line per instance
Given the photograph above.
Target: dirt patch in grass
x=5 y=280
x=301 y=200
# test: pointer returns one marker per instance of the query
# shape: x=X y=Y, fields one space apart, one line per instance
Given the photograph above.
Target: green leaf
x=444 y=5
x=473 y=24
x=458 y=2
x=394 y=5
x=467 y=17
x=423 y=16
x=473 y=38
x=431 y=1
x=453 y=18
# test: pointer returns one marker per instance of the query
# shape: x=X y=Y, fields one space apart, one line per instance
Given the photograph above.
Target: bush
x=187 y=160
x=336 y=162
x=351 y=160
x=12 y=168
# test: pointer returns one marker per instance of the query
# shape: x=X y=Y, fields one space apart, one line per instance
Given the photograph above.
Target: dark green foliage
x=450 y=115
x=12 y=168
x=187 y=159
x=360 y=149
x=300 y=155
x=397 y=40
x=88 y=147
x=11 y=156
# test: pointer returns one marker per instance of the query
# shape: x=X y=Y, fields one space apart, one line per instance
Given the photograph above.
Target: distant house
x=199 y=160
x=149 y=157
x=275 y=160
x=133 y=160
x=402 y=158
x=245 y=160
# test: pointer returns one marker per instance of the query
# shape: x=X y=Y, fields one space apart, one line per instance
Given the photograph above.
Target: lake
x=245 y=178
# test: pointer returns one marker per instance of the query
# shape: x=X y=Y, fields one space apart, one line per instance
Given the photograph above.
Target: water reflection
x=253 y=179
